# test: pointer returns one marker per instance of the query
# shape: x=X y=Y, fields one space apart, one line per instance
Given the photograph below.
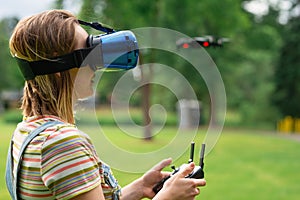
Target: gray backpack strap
x=11 y=183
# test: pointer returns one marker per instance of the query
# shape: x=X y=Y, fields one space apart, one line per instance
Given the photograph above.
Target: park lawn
x=5 y=135
x=247 y=164
x=243 y=165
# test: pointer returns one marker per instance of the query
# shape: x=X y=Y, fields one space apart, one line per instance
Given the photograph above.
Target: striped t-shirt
x=59 y=163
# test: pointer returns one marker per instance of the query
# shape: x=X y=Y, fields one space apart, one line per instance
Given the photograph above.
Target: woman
x=61 y=162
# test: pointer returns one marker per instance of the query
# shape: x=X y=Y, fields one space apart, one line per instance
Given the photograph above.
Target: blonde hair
x=44 y=36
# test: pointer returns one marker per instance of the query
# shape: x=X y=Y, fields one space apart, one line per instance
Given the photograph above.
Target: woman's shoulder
x=28 y=125
x=58 y=132
x=58 y=136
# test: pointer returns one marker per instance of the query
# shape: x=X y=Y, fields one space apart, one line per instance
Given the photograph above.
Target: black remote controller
x=197 y=173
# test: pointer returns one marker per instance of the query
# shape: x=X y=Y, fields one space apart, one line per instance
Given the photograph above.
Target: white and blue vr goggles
x=114 y=50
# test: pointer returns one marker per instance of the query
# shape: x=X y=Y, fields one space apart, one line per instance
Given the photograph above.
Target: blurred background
x=259 y=65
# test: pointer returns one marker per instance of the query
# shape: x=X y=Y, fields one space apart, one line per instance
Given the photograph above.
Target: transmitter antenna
x=201 y=162
x=192 y=152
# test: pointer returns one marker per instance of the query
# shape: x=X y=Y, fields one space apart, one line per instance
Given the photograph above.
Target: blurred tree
x=91 y=10
x=138 y=13
x=287 y=74
x=59 y=4
x=250 y=85
x=10 y=76
x=246 y=63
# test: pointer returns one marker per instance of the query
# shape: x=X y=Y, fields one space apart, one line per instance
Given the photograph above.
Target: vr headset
x=114 y=50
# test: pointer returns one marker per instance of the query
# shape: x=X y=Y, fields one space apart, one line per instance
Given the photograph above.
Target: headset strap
x=97 y=26
x=11 y=183
x=30 y=69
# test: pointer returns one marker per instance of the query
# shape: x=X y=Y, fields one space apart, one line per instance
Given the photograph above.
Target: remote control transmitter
x=197 y=173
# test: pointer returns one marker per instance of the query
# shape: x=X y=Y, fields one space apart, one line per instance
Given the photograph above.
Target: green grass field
x=244 y=164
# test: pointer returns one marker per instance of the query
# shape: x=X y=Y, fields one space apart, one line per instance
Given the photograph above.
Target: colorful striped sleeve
x=68 y=165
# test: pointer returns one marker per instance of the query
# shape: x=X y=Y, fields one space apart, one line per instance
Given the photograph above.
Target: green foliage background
x=257 y=65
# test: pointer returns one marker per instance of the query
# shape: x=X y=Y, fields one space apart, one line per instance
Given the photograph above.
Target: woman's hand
x=142 y=187
x=153 y=176
x=179 y=187
x=175 y=188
